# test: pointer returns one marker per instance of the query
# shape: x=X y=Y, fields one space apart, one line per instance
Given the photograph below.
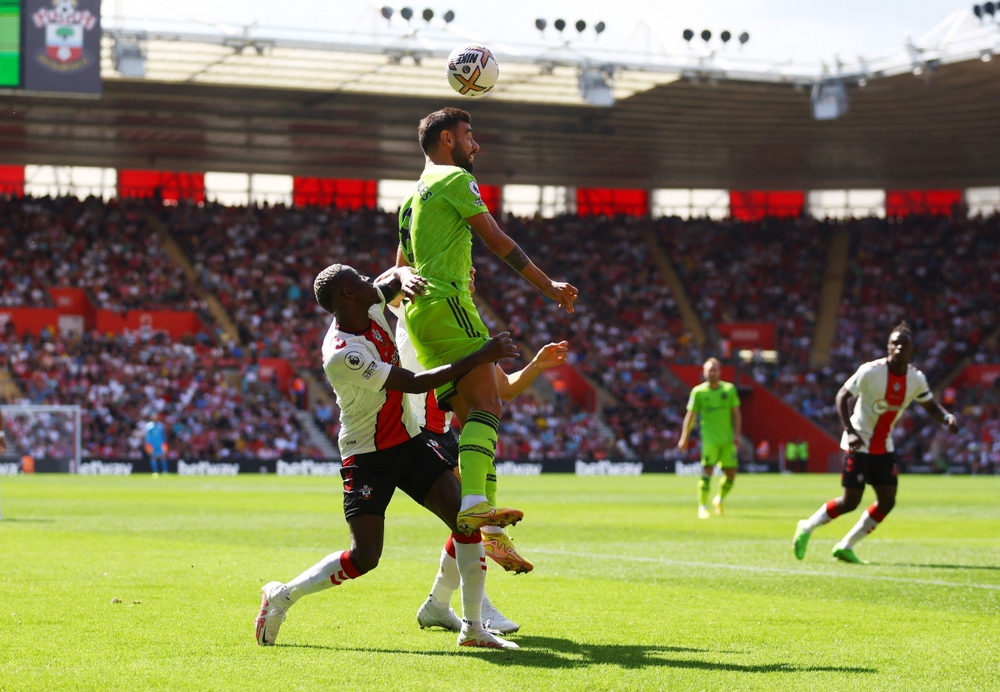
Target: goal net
x=49 y=435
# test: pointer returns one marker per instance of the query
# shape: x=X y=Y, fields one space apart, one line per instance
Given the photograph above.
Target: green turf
x=630 y=590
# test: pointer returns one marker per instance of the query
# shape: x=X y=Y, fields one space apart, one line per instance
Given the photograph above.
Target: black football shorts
x=873 y=469
x=370 y=479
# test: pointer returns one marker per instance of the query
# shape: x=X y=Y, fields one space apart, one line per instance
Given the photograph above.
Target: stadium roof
x=240 y=104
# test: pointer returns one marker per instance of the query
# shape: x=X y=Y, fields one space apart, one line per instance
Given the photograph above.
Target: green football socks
x=477 y=446
x=726 y=486
x=704 y=485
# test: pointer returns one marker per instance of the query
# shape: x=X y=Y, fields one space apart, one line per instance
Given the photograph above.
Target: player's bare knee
x=365 y=558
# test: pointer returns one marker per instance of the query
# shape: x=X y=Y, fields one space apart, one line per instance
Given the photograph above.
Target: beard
x=462 y=160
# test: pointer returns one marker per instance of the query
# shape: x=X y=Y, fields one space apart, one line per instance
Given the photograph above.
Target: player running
x=436 y=611
x=884 y=388
x=716 y=403
x=435 y=238
x=382 y=448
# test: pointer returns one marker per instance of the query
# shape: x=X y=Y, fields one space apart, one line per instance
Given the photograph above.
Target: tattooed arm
x=503 y=246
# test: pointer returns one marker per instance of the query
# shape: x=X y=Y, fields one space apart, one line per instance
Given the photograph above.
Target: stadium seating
x=119 y=382
x=940 y=274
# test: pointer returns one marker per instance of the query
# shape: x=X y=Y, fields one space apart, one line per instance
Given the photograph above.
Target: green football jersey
x=433 y=232
x=713 y=406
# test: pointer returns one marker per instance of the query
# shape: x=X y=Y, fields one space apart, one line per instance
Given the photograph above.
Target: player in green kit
x=436 y=224
x=717 y=405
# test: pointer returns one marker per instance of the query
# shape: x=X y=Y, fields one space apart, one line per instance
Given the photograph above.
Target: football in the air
x=472 y=70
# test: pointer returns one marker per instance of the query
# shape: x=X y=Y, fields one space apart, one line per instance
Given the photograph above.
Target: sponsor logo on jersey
x=882 y=406
x=474 y=188
x=354 y=360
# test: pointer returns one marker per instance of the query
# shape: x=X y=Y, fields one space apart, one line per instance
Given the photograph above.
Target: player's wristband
x=950 y=419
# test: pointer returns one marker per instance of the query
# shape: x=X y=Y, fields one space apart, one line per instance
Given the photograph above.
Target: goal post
x=43 y=433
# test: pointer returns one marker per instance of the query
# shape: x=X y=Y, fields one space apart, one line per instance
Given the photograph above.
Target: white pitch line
x=776 y=570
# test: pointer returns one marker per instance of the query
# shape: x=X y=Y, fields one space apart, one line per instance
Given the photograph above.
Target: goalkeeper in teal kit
x=435 y=238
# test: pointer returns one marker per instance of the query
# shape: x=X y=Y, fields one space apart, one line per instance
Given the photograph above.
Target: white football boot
x=478 y=636
x=432 y=615
x=271 y=614
x=495 y=621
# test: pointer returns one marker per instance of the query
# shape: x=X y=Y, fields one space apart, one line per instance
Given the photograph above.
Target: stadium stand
x=259 y=261
x=120 y=381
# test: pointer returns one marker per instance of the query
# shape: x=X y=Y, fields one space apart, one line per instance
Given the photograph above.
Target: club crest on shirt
x=354 y=360
x=723 y=395
x=378 y=336
x=895 y=387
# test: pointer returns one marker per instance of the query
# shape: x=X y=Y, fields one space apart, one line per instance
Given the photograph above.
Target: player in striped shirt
x=436 y=226
x=383 y=448
x=882 y=389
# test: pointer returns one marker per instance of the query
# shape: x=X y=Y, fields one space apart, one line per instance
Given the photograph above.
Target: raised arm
x=497 y=348
x=504 y=247
x=548 y=357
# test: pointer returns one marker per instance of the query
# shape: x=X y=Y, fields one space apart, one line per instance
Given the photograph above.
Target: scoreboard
x=10 y=43
x=51 y=47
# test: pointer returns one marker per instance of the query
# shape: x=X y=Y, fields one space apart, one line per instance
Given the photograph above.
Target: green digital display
x=10 y=43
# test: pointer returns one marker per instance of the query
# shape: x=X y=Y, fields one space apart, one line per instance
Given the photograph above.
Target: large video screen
x=10 y=43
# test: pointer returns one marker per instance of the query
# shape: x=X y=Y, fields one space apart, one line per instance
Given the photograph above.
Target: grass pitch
x=630 y=591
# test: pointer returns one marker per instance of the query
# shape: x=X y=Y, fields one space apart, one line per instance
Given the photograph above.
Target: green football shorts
x=443 y=330
x=724 y=455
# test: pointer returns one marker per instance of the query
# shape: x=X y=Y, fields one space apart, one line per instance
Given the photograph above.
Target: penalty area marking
x=774 y=570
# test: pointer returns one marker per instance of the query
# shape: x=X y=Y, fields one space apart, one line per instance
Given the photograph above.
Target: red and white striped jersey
x=423 y=406
x=881 y=399
x=357 y=365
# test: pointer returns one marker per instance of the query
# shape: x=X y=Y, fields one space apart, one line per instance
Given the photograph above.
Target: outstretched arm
x=548 y=357
x=504 y=247
x=940 y=415
x=497 y=348
x=402 y=282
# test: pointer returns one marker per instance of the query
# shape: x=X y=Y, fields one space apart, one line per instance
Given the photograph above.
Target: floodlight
x=688 y=35
x=706 y=35
x=540 y=24
x=406 y=13
x=744 y=37
x=581 y=25
x=449 y=17
x=560 y=25
x=725 y=36
x=599 y=27
x=387 y=12
x=428 y=14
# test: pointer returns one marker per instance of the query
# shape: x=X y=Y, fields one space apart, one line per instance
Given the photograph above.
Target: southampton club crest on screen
x=64 y=26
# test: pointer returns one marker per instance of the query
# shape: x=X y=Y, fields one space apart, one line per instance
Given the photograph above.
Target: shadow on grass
x=911 y=564
x=27 y=521
x=551 y=652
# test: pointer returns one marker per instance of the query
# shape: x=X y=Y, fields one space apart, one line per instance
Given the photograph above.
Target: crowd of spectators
x=261 y=262
x=942 y=275
x=105 y=248
x=625 y=329
x=976 y=446
x=121 y=381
